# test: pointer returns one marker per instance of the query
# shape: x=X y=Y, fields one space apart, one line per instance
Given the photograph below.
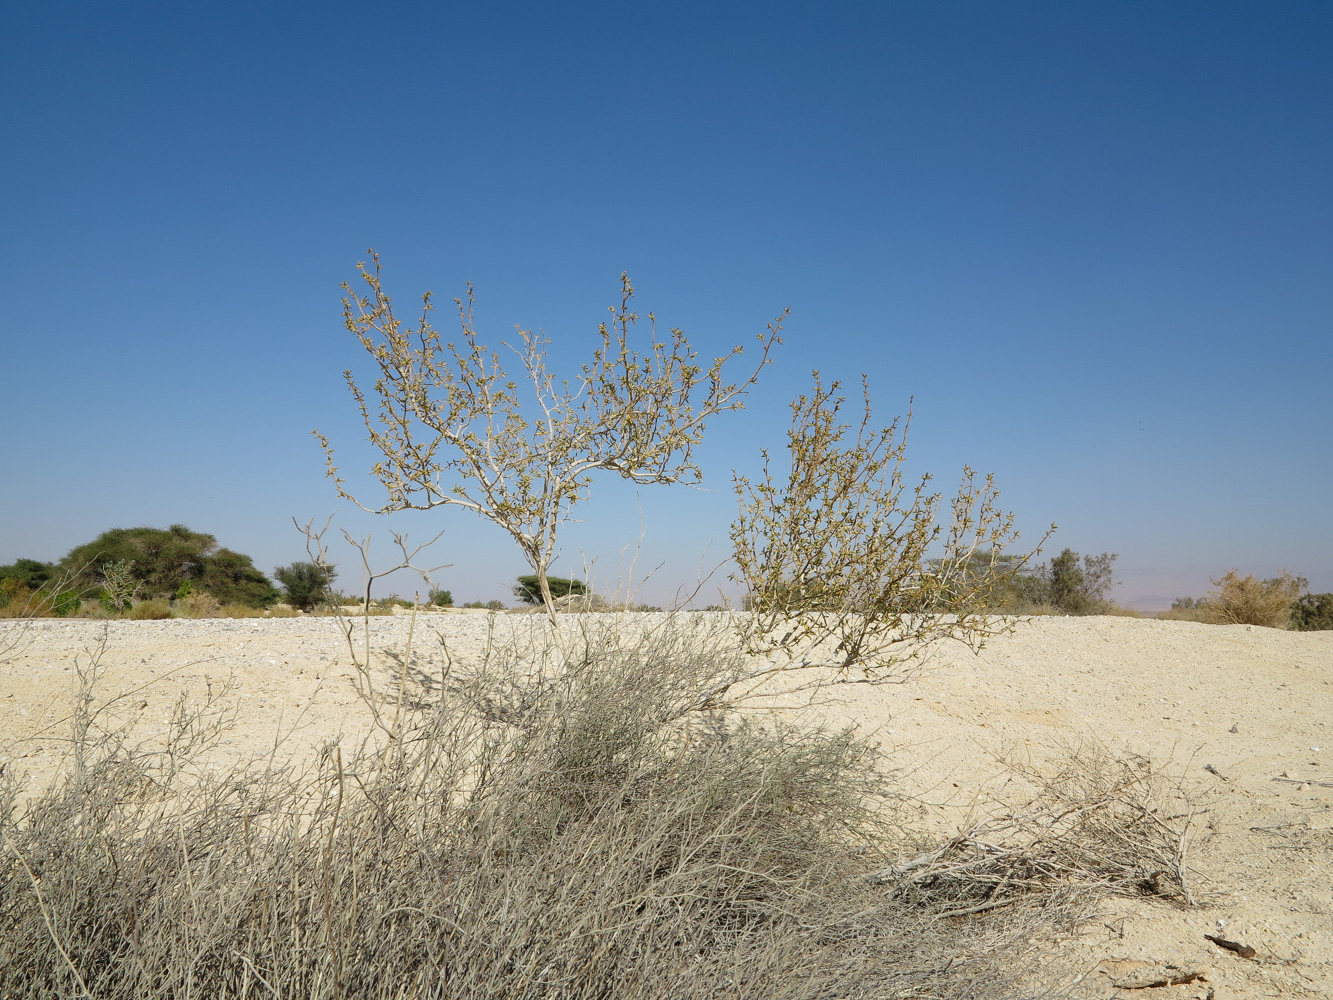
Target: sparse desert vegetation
x=572 y=805
x=1280 y=602
x=508 y=814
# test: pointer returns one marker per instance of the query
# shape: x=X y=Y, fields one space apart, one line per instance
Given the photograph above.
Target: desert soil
x=1242 y=715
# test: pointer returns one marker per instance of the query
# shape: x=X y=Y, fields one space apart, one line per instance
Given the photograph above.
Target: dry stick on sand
x=1106 y=834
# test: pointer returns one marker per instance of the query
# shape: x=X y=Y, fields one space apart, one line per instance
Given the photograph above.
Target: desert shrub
x=151 y=610
x=1312 y=613
x=246 y=611
x=95 y=607
x=442 y=598
x=1120 y=611
x=1095 y=819
x=21 y=604
x=584 y=603
x=65 y=603
x=306 y=584
x=120 y=586
x=850 y=564
x=198 y=605
x=17 y=600
x=1238 y=600
x=528 y=589
x=1187 y=609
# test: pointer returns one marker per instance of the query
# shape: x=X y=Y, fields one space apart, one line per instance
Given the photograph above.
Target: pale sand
x=1172 y=691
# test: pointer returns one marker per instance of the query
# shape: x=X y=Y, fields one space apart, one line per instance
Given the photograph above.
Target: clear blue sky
x=1094 y=240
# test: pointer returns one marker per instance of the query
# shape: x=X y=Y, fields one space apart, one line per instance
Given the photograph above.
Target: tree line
x=122 y=567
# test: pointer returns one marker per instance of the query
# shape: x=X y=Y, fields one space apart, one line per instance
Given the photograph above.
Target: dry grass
x=153 y=610
x=18 y=601
x=552 y=821
x=1025 y=608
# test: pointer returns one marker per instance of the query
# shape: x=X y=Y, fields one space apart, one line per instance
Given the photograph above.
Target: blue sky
x=1093 y=241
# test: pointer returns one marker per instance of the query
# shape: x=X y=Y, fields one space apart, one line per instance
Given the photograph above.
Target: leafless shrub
x=317 y=550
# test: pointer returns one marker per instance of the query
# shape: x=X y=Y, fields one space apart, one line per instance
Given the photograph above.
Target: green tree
x=1071 y=583
x=32 y=573
x=1000 y=581
x=165 y=559
x=233 y=579
x=306 y=584
x=1312 y=613
x=529 y=590
x=1067 y=586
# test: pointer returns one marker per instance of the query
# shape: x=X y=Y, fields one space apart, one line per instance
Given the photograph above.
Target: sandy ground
x=1255 y=705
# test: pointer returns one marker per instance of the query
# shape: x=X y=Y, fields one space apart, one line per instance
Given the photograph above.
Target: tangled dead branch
x=1099 y=823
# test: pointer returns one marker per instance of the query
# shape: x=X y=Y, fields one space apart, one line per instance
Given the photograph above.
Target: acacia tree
x=528 y=590
x=453 y=429
x=306 y=583
x=847 y=564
